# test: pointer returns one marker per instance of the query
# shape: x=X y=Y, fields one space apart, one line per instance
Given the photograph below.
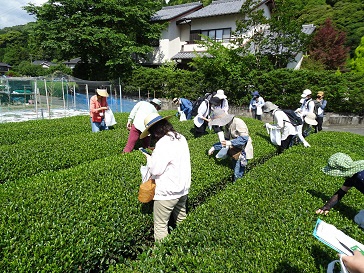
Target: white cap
x=306 y=92
x=157 y=102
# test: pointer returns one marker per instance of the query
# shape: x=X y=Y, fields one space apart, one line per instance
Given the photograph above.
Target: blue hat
x=255 y=94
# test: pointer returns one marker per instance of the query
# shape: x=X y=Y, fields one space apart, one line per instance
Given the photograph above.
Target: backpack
x=294 y=119
x=316 y=107
x=196 y=104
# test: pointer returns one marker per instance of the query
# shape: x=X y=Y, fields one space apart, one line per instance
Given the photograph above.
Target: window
x=223 y=34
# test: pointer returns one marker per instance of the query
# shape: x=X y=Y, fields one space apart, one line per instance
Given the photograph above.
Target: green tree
x=16 y=45
x=25 y=68
x=279 y=38
x=348 y=17
x=108 y=36
x=316 y=14
x=357 y=64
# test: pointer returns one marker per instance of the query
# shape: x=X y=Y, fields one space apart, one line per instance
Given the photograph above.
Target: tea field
x=69 y=203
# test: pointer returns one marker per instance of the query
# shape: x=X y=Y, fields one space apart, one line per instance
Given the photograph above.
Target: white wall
x=216 y=22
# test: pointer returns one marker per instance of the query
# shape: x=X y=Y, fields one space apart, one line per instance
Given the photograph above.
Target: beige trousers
x=163 y=210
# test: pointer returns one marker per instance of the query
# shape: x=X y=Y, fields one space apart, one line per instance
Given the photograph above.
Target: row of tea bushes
x=264 y=221
x=34 y=156
x=50 y=151
x=87 y=217
x=45 y=145
x=14 y=133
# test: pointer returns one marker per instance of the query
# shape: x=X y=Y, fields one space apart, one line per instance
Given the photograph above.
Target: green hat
x=341 y=164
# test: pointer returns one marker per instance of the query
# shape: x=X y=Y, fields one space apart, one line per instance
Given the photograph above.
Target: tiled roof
x=189 y=55
x=308 y=29
x=4 y=65
x=72 y=61
x=221 y=7
x=41 y=62
x=170 y=12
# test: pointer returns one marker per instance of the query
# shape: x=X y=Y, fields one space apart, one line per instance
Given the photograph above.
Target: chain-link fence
x=54 y=96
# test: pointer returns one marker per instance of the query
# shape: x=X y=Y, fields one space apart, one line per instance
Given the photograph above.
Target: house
x=42 y=63
x=4 y=68
x=186 y=23
x=296 y=64
x=72 y=63
x=175 y=34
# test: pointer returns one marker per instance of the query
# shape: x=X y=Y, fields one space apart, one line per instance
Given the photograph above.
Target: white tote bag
x=259 y=111
x=275 y=136
x=182 y=116
x=109 y=118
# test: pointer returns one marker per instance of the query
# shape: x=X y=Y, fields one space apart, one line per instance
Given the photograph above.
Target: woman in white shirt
x=256 y=106
x=282 y=122
x=170 y=166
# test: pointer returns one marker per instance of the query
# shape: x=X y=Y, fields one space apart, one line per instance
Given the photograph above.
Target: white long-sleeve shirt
x=282 y=121
x=139 y=112
x=170 y=166
x=203 y=111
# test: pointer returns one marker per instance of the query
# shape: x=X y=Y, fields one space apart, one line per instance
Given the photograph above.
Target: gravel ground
x=356 y=129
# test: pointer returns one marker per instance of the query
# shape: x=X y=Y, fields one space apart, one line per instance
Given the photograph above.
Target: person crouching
x=236 y=138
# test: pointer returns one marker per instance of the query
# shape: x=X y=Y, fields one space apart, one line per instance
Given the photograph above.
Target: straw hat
x=220 y=117
x=341 y=164
x=149 y=121
x=102 y=92
x=310 y=118
x=269 y=106
x=305 y=93
x=220 y=94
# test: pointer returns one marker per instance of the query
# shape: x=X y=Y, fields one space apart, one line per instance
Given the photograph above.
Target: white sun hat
x=305 y=93
x=220 y=94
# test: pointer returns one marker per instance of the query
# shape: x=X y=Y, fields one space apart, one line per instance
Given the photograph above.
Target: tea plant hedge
x=83 y=214
x=264 y=221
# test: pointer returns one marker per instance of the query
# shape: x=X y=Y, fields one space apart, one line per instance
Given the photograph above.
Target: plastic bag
x=331 y=266
x=274 y=134
x=182 y=116
x=109 y=118
x=259 y=111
